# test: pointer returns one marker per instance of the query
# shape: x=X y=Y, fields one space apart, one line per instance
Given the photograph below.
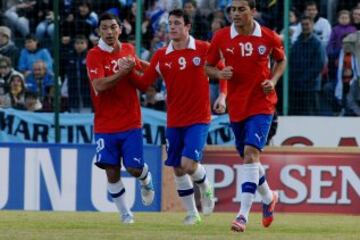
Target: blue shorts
x=252 y=131
x=111 y=147
x=185 y=141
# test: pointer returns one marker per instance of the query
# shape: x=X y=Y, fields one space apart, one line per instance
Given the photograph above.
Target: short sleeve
x=278 y=52
x=213 y=55
x=150 y=75
x=94 y=67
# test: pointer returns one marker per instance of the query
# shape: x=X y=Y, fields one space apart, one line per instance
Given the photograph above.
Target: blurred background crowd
x=323 y=60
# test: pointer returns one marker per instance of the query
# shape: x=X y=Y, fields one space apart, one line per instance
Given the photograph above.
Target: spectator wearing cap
x=7 y=47
x=32 y=53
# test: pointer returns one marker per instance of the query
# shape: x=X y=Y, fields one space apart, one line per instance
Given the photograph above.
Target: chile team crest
x=196 y=61
x=261 y=49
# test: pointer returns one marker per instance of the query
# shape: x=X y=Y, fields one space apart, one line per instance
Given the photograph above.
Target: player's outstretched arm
x=142 y=81
x=213 y=72
x=144 y=64
x=147 y=76
x=125 y=67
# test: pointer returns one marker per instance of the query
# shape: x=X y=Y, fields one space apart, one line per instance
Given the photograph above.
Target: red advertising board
x=307 y=181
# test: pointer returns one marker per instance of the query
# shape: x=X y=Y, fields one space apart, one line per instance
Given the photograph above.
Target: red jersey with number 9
x=117 y=109
x=187 y=85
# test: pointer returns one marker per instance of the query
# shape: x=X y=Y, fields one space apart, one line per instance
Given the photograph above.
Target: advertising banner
x=63 y=177
x=321 y=182
x=28 y=127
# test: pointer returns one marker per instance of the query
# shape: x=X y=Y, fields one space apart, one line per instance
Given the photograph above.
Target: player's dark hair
x=252 y=3
x=181 y=14
x=108 y=16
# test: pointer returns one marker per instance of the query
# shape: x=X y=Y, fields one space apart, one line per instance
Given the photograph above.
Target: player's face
x=110 y=31
x=241 y=13
x=177 y=29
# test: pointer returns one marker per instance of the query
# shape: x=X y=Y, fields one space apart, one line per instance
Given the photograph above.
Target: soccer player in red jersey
x=117 y=122
x=181 y=65
x=246 y=48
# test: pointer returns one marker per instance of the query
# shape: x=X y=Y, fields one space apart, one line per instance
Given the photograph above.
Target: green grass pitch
x=24 y=225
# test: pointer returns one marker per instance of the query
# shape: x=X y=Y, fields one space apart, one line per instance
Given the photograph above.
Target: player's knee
x=112 y=174
x=189 y=166
x=136 y=172
x=178 y=171
x=251 y=154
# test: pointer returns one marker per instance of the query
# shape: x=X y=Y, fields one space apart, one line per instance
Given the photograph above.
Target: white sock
x=249 y=184
x=117 y=192
x=185 y=190
x=199 y=177
x=145 y=176
x=263 y=188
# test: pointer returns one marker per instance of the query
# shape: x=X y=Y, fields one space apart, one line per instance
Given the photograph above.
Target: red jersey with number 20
x=187 y=85
x=249 y=55
x=117 y=109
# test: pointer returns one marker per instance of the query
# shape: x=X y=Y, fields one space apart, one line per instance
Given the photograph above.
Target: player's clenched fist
x=220 y=104
x=268 y=86
x=226 y=73
x=126 y=64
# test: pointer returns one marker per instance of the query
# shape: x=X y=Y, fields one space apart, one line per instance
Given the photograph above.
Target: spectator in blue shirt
x=39 y=79
x=31 y=54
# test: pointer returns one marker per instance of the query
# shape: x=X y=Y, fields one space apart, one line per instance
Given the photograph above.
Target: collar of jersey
x=105 y=47
x=191 y=45
x=256 y=32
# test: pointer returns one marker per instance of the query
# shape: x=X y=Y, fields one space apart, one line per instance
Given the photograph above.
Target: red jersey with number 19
x=187 y=85
x=249 y=55
x=117 y=109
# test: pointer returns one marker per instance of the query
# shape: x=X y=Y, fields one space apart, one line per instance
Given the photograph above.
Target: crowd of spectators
x=324 y=51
